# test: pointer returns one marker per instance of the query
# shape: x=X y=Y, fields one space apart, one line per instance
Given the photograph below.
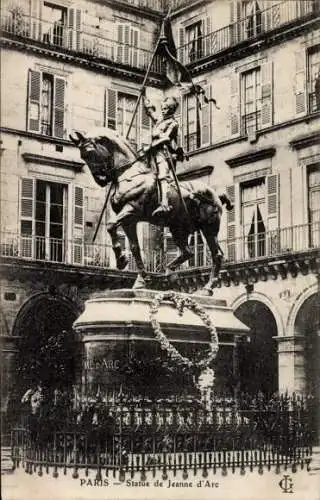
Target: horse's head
x=103 y=150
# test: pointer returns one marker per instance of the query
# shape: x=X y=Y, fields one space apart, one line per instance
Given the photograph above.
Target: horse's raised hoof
x=139 y=283
x=122 y=262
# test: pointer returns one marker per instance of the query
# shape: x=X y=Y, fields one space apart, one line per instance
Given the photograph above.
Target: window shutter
x=207 y=40
x=74 y=29
x=127 y=48
x=34 y=92
x=27 y=200
x=181 y=50
x=206 y=118
x=300 y=86
x=273 y=213
x=234 y=105
x=231 y=226
x=35 y=14
x=178 y=116
x=267 y=94
x=145 y=127
x=111 y=109
x=59 y=107
x=120 y=39
x=235 y=16
x=78 y=225
x=135 y=35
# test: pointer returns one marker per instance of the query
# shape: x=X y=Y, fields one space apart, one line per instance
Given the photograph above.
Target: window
x=44 y=211
x=194 y=41
x=253 y=216
x=54 y=20
x=314 y=80
x=251 y=101
x=46 y=104
x=314 y=205
x=127 y=45
x=119 y=110
x=197 y=120
x=251 y=14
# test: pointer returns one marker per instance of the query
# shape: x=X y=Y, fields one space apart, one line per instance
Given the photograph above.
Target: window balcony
x=248 y=28
x=270 y=244
x=58 y=36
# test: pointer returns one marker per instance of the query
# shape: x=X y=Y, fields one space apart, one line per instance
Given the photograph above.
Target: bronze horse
x=111 y=158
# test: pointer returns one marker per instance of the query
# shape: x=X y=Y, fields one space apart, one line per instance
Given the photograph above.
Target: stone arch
x=258 y=360
x=306 y=294
x=43 y=327
x=261 y=297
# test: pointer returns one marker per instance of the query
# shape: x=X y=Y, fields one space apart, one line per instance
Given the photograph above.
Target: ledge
x=52 y=162
x=251 y=156
x=193 y=172
x=305 y=140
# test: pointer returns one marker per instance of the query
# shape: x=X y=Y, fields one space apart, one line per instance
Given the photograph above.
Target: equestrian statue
x=145 y=187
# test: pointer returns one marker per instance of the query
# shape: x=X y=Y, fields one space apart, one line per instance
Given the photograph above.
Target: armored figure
x=163 y=149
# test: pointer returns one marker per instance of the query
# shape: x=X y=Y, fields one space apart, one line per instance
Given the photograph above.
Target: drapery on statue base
x=110 y=158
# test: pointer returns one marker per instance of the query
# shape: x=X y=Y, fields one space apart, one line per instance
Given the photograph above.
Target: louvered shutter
x=179 y=118
x=231 y=226
x=235 y=15
x=206 y=118
x=27 y=201
x=300 y=83
x=234 y=105
x=74 y=29
x=35 y=14
x=135 y=35
x=206 y=46
x=34 y=93
x=120 y=42
x=272 y=183
x=145 y=127
x=127 y=49
x=78 y=225
x=267 y=94
x=181 y=49
x=59 y=107
x=111 y=109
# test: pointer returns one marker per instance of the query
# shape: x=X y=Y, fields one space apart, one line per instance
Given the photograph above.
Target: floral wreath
x=182 y=302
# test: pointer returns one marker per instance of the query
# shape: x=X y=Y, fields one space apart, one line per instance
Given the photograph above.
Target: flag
x=177 y=73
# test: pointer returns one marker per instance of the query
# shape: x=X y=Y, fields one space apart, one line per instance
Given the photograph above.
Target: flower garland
x=182 y=302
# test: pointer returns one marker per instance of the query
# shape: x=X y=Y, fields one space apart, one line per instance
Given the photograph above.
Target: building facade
x=80 y=66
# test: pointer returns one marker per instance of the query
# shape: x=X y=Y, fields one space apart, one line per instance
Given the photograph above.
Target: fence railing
x=247 y=28
x=130 y=437
x=59 y=35
x=278 y=242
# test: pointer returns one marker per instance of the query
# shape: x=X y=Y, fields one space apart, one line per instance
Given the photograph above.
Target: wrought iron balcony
x=58 y=36
x=248 y=28
x=276 y=243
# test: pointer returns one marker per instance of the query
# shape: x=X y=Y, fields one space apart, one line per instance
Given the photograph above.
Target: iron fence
x=143 y=436
x=277 y=242
x=59 y=35
x=247 y=28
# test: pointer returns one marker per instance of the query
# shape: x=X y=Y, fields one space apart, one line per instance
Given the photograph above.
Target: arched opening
x=46 y=346
x=307 y=324
x=258 y=360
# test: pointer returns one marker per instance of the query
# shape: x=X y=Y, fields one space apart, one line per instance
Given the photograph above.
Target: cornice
x=194 y=172
x=251 y=156
x=52 y=162
x=305 y=140
x=38 y=137
x=90 y=62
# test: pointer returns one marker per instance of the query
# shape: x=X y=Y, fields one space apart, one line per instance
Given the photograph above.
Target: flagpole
x=145 y=79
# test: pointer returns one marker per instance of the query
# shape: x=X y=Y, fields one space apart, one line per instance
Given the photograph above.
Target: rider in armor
x=163 y=148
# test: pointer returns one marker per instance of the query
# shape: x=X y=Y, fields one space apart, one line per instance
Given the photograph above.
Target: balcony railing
x=247 y=28
x=59 y=36
x=278 y=242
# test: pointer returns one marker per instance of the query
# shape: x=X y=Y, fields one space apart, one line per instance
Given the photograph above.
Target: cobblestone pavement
x=252 y=486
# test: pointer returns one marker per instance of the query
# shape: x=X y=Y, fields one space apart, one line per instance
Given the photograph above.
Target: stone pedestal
x=115 y=331
x=292 y=375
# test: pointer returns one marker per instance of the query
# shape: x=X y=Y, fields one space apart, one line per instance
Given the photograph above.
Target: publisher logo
x=286 y=484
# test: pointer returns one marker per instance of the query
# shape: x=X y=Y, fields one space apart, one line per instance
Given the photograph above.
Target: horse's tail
x=225 y=200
